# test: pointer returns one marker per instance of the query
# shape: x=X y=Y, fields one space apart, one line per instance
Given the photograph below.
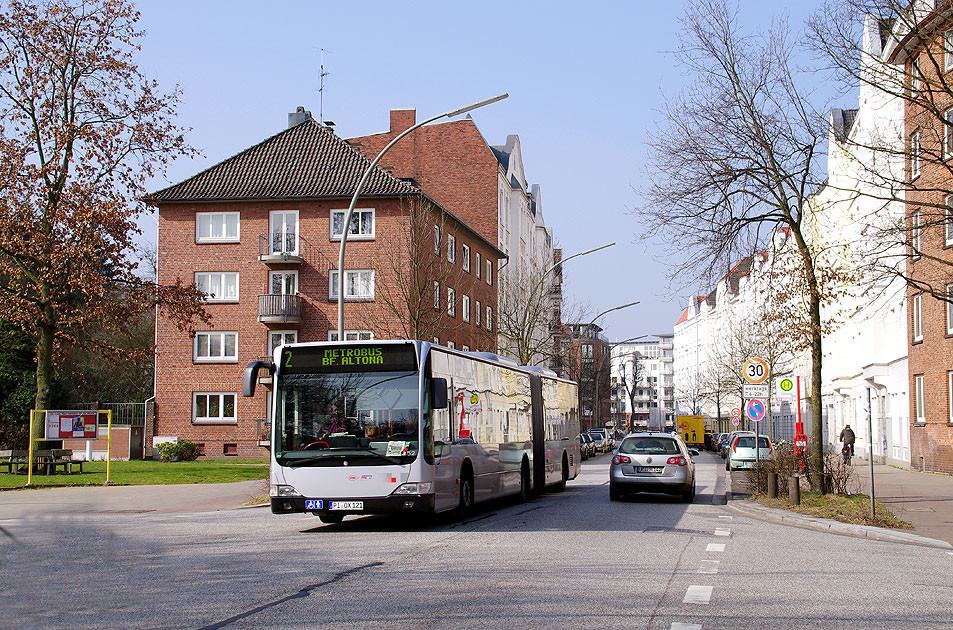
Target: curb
x=831 y=526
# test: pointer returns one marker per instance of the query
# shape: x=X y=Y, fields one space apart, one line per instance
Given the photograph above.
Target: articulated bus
x=390 y=427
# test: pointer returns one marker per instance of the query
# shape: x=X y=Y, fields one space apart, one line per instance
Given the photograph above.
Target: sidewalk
x=923 y=499
x=208 y=497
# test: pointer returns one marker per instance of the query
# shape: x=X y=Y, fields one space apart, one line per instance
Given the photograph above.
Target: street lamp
x=585 y=333
x=367 y=173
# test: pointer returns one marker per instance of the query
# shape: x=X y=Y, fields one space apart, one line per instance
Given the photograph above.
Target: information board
x=71 y=424
x=329 y=359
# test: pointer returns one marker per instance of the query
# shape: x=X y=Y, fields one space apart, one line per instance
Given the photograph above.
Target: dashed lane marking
x=709 y=566
x=725 y=516
x=721 y=531
x=697 y=594
x=678 y=625
x=718 y=547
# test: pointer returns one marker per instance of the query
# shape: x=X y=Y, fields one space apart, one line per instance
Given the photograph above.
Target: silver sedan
x=652 y=462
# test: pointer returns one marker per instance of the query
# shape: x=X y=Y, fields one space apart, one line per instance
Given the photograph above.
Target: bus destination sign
x=363 y=358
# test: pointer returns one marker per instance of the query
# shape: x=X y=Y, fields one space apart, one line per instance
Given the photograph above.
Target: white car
x=741 y=451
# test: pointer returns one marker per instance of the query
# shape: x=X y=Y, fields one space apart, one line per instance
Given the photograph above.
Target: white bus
x=381 y=427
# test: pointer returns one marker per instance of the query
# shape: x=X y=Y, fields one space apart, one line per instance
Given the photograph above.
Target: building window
x=361 y=228
x=451 y=302
x=279 y=337
x=947 y=134
x=466 y=258
x=949 y=309
x=915 y=74
x=284 y=231
x=436 y=295
x=218 y=286
x=451 y=248
x=915 y=234
x=479 y=265
x=948 y=221
x=466 y=308
x=450 y=344
x=351 y=335
x=489 y=318
x=915 y=155
x=436 y=340
x=358 y=284
x=216 y=227
x=948 y=49
x=215 y=347
x=213 y=408
x=949 y=395
x=477 y=314
x=465 y=348
x=586 y=351
x=283 y=282
x=489 y=272
x=917 y=312
x=436 y=239
x=918 y=399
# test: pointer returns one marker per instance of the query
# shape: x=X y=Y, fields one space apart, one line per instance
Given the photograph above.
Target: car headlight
x=419 y=487
x=278 y=490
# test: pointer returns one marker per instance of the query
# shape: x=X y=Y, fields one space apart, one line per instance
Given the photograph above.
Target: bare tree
x=737 y=158
x=870 y=43
x=632 y=377
x=693 y=392
x=525 y=315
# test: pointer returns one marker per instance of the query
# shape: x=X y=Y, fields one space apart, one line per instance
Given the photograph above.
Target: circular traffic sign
x=735 y=421
x=755 y=410
x=736 y=413
x=787 y=385
x=756 y=370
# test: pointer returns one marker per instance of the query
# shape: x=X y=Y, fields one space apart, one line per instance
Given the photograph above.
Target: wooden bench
x=12 y=460
x=63 y=457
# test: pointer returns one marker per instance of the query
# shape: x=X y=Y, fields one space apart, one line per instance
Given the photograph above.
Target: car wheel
x=614 y=493
x=466 y=492
x=330 y=518
x=689 y=495
x=524 y=482
x=727 y=464
x=565 y=475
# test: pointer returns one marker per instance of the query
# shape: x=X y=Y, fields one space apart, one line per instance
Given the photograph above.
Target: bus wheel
x=330 y=518
x=565 y=475
x=466 y=491
x=524 y=482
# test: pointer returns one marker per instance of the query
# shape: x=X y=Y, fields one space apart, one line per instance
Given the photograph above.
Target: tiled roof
x=305 y=161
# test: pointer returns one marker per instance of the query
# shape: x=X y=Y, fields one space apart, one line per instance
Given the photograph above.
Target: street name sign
x=750 y=390
x=756 y=370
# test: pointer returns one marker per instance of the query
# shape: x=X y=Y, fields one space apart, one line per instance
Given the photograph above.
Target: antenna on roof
x=321 y=76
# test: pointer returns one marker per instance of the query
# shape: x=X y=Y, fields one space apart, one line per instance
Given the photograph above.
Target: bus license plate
x=347 y=505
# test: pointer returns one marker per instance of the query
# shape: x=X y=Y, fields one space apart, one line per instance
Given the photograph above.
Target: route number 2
x=756 y=370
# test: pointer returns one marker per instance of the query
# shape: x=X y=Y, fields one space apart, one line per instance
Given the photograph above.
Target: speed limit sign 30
x=756 y=370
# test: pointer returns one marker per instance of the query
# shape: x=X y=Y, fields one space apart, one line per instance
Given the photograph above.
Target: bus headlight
x=420 y=487
x=284 y=491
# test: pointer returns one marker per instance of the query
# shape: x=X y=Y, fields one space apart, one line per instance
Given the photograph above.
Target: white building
x=653 y=402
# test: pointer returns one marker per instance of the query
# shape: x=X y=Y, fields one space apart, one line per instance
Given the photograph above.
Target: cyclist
x=847 y=437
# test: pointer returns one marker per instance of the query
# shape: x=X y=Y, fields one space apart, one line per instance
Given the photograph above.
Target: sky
x=585 y=82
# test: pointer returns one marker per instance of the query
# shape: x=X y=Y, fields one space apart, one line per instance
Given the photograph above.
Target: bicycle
x=847 y=452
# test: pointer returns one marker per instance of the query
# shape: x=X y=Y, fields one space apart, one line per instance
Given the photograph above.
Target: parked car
x=716 y=441
x=652 y=462
x=723 y=450
x=741 y=451
x=602 y=445
x=583 y=448
x=590 y=444
x=609 y=443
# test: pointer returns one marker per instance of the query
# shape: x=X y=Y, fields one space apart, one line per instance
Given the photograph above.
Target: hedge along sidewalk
x=146 y=472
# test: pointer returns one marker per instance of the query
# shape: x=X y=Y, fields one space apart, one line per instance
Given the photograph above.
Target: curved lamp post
x=367 y=174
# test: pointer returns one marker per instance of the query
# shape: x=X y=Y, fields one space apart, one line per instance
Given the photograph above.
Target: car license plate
x=347 y=505
x=649 y=469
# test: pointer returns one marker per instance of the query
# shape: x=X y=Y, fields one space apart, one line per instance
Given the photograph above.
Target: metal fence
x=127 y=413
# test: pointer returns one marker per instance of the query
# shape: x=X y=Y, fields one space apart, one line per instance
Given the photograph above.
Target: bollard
x=772 y=485
x=794 y=490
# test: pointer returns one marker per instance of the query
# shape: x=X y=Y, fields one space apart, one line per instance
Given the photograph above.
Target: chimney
x=299 y=116
x=402 y=119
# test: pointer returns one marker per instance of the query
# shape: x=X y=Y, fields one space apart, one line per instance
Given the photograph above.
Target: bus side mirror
x=438 y=393
x=251 y=376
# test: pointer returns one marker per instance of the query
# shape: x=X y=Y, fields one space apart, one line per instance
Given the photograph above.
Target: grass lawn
x=853 y=508
x=147 y=472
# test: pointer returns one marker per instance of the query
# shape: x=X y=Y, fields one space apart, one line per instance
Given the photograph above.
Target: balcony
x=276 y=248
x=279 y=309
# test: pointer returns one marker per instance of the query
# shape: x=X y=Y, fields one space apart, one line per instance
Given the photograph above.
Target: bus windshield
x=363 y=418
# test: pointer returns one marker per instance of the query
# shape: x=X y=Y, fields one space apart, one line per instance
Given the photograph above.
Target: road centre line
x=725 y=516
x=709 y=567
x=717 y=547
x=721 y=531
x=697 y=594
x=678 y=625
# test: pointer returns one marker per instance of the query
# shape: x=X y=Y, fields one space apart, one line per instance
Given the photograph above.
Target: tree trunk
x=44 y=375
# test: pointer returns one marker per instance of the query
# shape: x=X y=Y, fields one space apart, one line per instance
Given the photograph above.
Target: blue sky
x=585 y=82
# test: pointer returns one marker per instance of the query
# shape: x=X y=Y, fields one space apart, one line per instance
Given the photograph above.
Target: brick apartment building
x=586 y=359
x=259 y=233
x=929 y=210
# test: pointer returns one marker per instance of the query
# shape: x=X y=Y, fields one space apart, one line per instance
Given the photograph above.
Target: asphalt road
x=572 y=559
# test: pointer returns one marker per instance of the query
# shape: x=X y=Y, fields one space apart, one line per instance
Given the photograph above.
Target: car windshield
x=644 y=445
x=747 y=441
x=331 y=419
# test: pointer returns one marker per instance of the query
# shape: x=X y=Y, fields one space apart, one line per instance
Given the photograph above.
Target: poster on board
x=71 y=424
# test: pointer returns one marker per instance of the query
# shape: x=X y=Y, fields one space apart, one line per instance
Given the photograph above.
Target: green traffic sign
x=787 y=385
